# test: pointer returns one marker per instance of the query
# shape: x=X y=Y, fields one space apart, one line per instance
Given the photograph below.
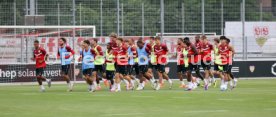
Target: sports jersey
x=206 y=50
x=39 y=56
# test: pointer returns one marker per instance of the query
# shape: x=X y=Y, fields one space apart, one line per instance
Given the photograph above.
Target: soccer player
x=161 y=51
x=229 y=71
x=198 y=45
x=39 y=57
x=122 y=65
x=132 y=54
x=110 y=67
x=193 y=66
x=226 y=54
x=181 y=69
x=217 y=60
x=99 y=61
x=152 y=63
x=143 y=55
x=65 y=53
x=113 y=37
x=206 y=50
x=87 y=58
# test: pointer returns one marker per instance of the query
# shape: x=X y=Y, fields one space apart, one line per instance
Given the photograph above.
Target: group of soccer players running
x=124 y=56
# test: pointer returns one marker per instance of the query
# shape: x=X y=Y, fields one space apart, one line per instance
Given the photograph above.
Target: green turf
x=252 y=98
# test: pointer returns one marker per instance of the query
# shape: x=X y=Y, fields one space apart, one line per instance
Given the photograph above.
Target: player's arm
x=211 y=48
x=199 y=48
x=165 y=48
x=72 y=52
x=134 y=51
x=80 y=58
x=58 y=54
x=45 y=55
x=232 y=50
x=94 y=53
x=194 y=50
x=100 y=51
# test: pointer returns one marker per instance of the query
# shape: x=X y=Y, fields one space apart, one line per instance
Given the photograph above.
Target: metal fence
x=147 y=17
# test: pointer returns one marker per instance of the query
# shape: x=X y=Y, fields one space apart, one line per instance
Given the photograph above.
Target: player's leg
x=189 y=77
x=141 y=80
x=217 y=72
x=148 y=76
x=41 y=78
x=226 y=79
x=198 y=72
x=93 y=78
x=109 y=76
x=150 y=71
x=136 y=67
x=65 y=75
x=86 y=75
x=206 y=68
x=130 y=75
x=165 y=75
x=97 y=70
x=117 y=79
x=39 y=72
x=160 y=76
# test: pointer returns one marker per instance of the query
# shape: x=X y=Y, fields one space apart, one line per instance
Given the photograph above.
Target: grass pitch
x=252 y=98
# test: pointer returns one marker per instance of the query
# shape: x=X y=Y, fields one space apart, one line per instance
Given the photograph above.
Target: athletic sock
x=231 y=83
x=226 y=83
x=69 y=85
x=119 y=86
x=42 y=87
x=132 y=83
x=206 y=81
x=170 y=81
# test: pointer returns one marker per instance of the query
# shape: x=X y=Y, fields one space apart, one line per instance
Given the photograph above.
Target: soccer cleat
x=113 y=89
x=91 y=90
x=157 y=87
x=189 y=89
x=49 y=82
x=42 y=90
x=139 y=88
x=117 y=90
